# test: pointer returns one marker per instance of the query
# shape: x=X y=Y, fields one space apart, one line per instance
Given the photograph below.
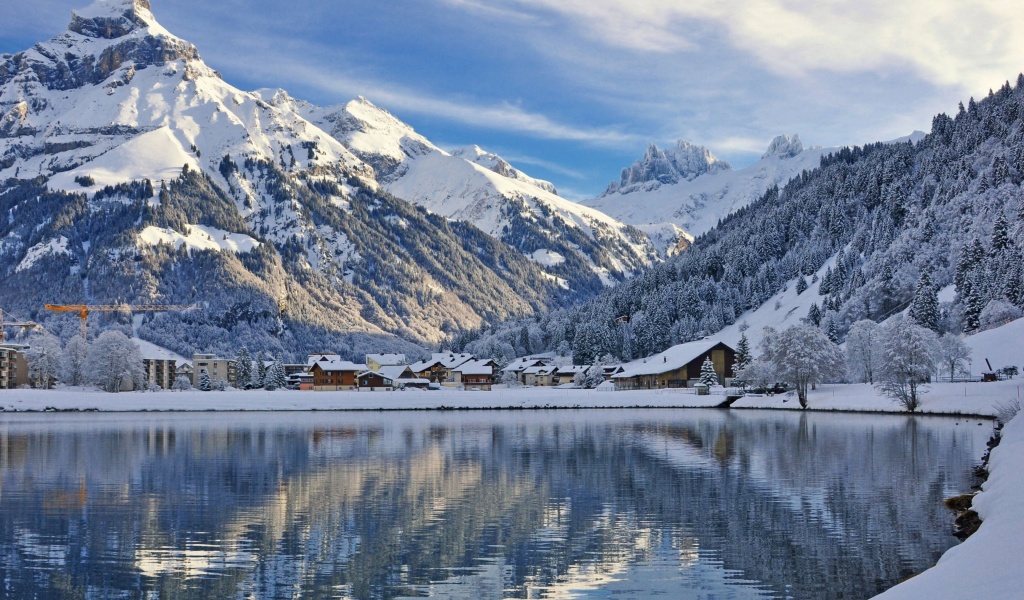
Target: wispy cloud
x=944 y=41
x=501 y=116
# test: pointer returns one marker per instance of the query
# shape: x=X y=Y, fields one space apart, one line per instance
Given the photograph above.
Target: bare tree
x=803 y=356
x=114 y=360
x=908 y=361
x=863 y=350
x=952 y=354
x=44 y=357
x=76 y=352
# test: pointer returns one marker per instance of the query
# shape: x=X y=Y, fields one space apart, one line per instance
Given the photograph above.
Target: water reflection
x=702 y=504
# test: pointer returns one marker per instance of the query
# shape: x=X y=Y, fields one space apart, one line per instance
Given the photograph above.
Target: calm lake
x=476 y=505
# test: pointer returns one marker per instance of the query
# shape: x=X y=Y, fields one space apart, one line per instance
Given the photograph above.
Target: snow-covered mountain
x=580 y=246
x=133 y=172
x=679 y=194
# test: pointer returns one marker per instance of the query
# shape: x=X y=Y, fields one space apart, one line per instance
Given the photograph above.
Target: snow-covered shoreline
x=987 y=564
x=970 y=399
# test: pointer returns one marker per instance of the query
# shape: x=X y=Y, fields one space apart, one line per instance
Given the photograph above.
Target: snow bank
x=987 y=565
x=938 y=398
x=285 y=400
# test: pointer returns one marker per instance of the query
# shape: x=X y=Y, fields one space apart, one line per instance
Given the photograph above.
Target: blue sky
x=574 y=90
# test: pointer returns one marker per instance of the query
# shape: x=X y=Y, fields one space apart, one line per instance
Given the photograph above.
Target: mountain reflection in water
x=476 y=505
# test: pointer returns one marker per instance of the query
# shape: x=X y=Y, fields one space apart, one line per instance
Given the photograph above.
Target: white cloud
x=971 y=46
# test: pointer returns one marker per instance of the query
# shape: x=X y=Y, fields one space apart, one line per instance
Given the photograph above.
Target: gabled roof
x=572 y=369
x=448 y=360
x=386 y=359
x=396 y=372
x=674 y=358
x=335 y=366
x=540 y=370
x=525 y=362
x=321 y=358
x=475 y=367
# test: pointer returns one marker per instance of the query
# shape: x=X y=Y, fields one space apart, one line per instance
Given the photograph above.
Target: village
x=679 y=367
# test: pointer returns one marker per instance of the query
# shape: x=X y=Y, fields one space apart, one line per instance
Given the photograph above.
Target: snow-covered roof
x=395 y=371
x=526 y=362
x=448 y=360
x=674 y=358
x=321 y=358
x=151 y=351
x=572 y=369
x=476 y=367
x=333 y=366
x=540 y=370
x=386 y=359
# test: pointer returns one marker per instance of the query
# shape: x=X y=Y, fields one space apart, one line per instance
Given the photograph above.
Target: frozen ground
x=956 y=398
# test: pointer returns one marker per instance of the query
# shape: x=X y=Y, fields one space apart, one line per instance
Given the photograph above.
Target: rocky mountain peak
x=499 y=165
x=111 y=19
x=784 y=146
x=684 y=162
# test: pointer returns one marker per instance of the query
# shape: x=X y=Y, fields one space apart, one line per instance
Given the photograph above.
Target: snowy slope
x=696 y=203
x=481 y=188
x=149 y=106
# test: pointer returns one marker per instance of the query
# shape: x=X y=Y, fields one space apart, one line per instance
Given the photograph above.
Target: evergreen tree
x=204 y=381
x=973 y=305
x=743 y=357
x=707 y=372
x=243 y=372
x=801 y=285
x=275 y=378
x=259 y=374
x=924 y=308
x=814 y=315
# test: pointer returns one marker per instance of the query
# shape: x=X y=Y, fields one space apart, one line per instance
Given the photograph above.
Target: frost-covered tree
x=511 y=379
x=758 y=374
x=259 y=374
x=181 y=384
x=924 y=308
x=863 y=351
x=803 y=356
x=243 y=374
x=707 y=373
x=205 y=384
x=743 y=356
x=952 y=355
x=76 y=352
x=44 y=357
x=114 y=361
x=801 y=285
x=998 y=312
x=908 y=361
x=276 y=378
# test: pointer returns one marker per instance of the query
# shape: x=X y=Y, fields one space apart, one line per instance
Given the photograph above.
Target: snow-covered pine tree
x=743 y=357
x=707 y=372
x=924 y=308
x=801 y=285
x=204 y=381
x=259 y=374
x=276 y=377
x=243 y=372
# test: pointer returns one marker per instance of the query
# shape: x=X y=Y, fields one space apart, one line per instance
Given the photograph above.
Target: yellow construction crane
x=83 y=310
x=26 y=325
